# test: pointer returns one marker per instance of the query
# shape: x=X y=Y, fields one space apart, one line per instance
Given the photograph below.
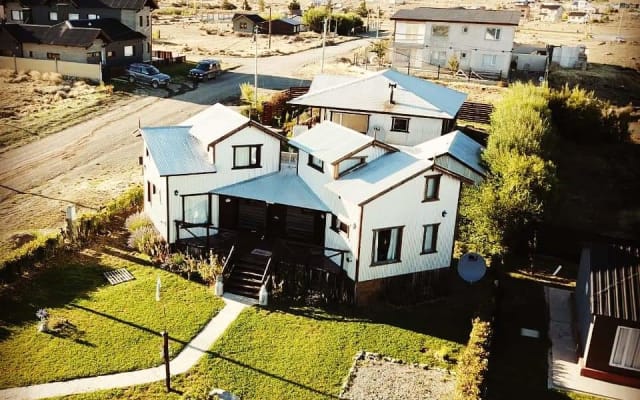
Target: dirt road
x=92 y=162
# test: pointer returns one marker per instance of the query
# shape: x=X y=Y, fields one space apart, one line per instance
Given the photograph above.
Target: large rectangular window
x=430 y=238
x=74 y=16
x=432 y=187
x=626 y=349
x=440 y=31
x=399 y=124
x=492 y=34
x=387 y=244
x=316 y=163
x=489 y=60
x=93 y=16
x=196 y=209
x=246 y=156
x=357 y=122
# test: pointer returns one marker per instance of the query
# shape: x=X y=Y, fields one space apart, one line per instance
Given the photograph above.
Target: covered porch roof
x=277 y=188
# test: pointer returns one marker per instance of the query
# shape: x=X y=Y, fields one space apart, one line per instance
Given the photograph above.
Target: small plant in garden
x=453 y=64
x=210 y=268
x=43 y=316
x=136 y=221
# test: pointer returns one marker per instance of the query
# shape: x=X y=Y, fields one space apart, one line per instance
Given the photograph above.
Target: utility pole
x=378 y=21
x=255 y=76
x=269 y=27
x=324 y=38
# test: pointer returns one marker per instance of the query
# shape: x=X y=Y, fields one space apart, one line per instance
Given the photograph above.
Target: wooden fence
x=271 y=110
x=475 y=112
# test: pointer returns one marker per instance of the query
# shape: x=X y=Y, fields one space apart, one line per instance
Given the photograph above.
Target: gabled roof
x=551 y=6
x=291 y=21
x=114 y=29
x=615 y=282
x=330 y=142
x=176 y=152
x=412 y=96
x=114 y=4
x=321 y=82
x=461 y=15
x=392 y=169
x=218 y=122
x=255 y=18
x=278 y=188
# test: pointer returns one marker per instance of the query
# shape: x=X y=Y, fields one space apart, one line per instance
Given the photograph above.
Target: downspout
x=355 y=286
x=455 y=226
x=168 y=208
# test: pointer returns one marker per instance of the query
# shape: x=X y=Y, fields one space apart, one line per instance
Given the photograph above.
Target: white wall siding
x=420 y=130
x=403 y=206
x=157 y=209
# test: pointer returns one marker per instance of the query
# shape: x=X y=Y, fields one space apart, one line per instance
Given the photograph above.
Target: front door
x=276 y=220
x=228 y=212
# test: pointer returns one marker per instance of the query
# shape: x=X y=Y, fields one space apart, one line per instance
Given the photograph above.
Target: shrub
x=147 y=240
x=136 y=221
x=473 y=363
x=210 y=268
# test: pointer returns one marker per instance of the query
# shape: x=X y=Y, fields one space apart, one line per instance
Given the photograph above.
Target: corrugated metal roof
x=462 y=15
x=615 y=282
x=392 y=168
x=329 y=141
x=321 y=82
x=278 y=188
x=214 y=122
x=412 y=96
x=176 y=152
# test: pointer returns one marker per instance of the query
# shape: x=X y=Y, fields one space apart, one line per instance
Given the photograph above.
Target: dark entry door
x=276 y=220
x=228 y=212
x=252 y=215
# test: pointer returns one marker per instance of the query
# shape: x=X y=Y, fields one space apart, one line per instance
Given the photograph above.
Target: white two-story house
x=389 y=106
x=481 y=40
x=349 y=210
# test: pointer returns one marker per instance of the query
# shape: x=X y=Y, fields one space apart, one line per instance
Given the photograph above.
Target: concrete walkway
x=187 y=358
x=564 y=369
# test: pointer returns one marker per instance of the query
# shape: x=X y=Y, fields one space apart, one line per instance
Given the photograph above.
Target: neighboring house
x=550 y=12
x=105 y=41
x=524 y=10
x=285 y=26
x=481 y=40
x=219 y=178
x=577 y=17
x=608 y=314
x=134 y=14
x=389 y=106
x=246 y=23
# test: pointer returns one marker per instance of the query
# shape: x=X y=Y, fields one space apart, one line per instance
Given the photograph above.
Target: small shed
x=286 y=26
x=608 y=313
x=577 y=17
x=246 y=23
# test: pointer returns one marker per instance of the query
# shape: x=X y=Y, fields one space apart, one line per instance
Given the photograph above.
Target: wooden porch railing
x=226 y=269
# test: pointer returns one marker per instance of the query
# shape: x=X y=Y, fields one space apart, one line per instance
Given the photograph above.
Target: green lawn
x=305 y=353
x=110 y=328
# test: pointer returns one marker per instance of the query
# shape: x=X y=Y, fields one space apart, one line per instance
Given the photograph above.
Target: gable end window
x=246 y=156
x=626 y=349
x=316 y=163
x=492 y=34
x=399 y=124
x=387 y=243
x=432 y=188
x=338 y=226
x=430 y=238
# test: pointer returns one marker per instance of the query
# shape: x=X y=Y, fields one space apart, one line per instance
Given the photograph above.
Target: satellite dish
x=472 y=267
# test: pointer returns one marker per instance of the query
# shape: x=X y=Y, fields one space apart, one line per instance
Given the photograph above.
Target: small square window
x=399 y=124
x=465 y=29
x=338 y=226
x=463 y=55
x=111 y=54
x=53 y=16
x=432 y=187
x=316 y=163
x=246 y=156
x=16 y=15
x=128 y=51
x=440 y=30
x=430 y=238
x=492 y=34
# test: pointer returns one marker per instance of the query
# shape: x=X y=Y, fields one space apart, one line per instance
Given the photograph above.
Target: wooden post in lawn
x=165 y=351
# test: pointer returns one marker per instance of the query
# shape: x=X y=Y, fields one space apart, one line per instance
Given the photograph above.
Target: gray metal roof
x=461 y=15
x=615 y=282
x=176 y=152
x=412 y=96
x=321 y=82
x=390 y=169
x=215 y=122
x=278 y=188
x=329 y=141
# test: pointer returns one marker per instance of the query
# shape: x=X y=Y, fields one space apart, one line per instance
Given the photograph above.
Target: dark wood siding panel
x=300 y=225
x=252 y=215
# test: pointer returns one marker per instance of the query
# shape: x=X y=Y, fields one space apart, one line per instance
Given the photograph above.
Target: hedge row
x=85 y=227
x=472 y=367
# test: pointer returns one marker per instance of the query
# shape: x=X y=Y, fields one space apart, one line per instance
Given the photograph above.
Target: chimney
x=392 y=86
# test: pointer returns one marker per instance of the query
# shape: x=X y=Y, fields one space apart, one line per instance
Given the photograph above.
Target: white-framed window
x=626 y=349
x=93 y=16
x=195 y=209
x=316 y=163
x=430 y=238
x=440 y=30
x=387 y=243
x=17 y=15
x=246 y=156
x=53 y=15
x=492 y=34
x=74 y=16
x=339 y=226
x=399 y=124
x=128 y=51
x=489 y=60
x=432 y=187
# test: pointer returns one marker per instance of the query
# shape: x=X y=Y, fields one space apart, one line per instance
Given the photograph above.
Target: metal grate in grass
x=118 y=276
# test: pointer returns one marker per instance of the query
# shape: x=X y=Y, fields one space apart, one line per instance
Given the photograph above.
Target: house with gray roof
x=218 y=181
x=390 y=106
x=480 y=40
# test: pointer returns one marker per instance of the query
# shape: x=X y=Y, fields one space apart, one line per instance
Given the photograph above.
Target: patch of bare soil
x=376 y=378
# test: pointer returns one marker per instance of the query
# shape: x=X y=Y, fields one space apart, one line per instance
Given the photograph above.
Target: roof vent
x=392 y=85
